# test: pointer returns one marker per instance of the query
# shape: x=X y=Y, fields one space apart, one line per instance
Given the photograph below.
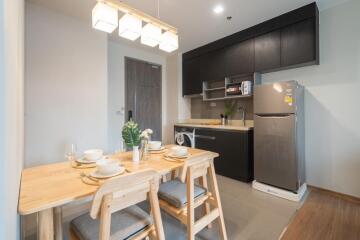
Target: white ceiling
x=195 y=20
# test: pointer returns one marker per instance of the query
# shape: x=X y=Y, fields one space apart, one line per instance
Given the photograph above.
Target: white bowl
x=179 y=151
x=154 y=144
x=107 y=166
x=93 y=154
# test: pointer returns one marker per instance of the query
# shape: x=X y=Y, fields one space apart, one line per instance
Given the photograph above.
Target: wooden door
x=143 y=94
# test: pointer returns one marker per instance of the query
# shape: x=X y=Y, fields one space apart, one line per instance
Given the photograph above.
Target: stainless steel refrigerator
x=279 y=135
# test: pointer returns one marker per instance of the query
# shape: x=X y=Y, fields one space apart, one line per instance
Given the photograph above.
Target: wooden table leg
x=46 y=224
x=58 y=223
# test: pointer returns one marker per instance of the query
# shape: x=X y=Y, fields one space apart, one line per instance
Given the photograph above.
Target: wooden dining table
x=45 y=189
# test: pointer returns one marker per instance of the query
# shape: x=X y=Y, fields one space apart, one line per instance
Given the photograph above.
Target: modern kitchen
x=274 y=127
x=179 y=119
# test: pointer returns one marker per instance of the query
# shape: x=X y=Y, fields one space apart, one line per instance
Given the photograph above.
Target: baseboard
x=337 y=194
x=296 y=197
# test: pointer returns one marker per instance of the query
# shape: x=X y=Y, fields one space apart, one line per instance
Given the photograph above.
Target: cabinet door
x=192 y=76
x=240 y=58
x=235 y=160
x=298 y=43
x=267 y=51
x=214 y=65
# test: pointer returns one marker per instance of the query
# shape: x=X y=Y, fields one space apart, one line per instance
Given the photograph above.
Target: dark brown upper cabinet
x=287 y=41
x=193 y=76
x=239 y=58
x=298 y=43
x=215 y=65
x=267 y=51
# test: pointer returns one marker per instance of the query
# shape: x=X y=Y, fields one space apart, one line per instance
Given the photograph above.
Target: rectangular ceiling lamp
x=169 y=42
x=104 y=17
x=150 y=35
x=130 y=27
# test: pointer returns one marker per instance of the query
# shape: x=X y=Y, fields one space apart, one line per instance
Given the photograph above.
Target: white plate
x=84 y=160
x=158 y=149
x=96 y=174
x=171 y=155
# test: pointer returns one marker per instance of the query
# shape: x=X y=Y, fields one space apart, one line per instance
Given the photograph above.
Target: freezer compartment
x=276 y=98
x=275 y=156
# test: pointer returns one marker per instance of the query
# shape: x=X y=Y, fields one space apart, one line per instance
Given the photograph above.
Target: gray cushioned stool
x=174 y=192
x=124 y=224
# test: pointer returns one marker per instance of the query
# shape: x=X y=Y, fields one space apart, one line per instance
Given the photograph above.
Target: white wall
x=2 y=119
x=172 y=93
x=332 y=102
x=184 y=104
x=11 y=113
x=66 y=85
x=116 y=98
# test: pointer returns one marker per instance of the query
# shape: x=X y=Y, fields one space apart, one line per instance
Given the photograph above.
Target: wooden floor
x=325 y=216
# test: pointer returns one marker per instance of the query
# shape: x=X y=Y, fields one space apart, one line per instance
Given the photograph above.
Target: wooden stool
x=180 y=199
x=114 y=203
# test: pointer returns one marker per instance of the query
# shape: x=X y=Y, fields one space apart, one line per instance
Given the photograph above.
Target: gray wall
x=332 y=102
x=212 y=110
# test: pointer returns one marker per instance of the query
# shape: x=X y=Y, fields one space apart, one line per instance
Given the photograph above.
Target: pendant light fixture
x=151 y=35
x=104 y=17
x=169 y=42
x=130 y=27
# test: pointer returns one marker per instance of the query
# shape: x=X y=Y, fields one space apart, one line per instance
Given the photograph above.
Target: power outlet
x=213 y=104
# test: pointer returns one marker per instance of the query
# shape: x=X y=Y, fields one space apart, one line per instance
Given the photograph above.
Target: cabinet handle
x=205 y=137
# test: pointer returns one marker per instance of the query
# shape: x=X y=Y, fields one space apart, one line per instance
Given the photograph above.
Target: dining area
x=172 y=179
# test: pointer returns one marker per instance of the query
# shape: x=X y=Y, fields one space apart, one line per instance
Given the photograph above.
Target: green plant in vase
x=131 y=134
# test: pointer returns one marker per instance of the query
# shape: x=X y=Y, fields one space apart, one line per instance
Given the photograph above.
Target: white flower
x=149 y=131
x=146 y=134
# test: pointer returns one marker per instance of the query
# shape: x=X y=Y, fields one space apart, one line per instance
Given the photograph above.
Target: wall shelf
x=216 y=90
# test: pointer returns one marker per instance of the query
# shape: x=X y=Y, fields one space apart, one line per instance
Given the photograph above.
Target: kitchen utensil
x=154 y=145
x=93 y=154
x=107 y=166
x=178 y=151
x=99 y=175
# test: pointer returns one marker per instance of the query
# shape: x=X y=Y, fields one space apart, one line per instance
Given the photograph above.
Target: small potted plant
x=229 y=110
x=131 y=135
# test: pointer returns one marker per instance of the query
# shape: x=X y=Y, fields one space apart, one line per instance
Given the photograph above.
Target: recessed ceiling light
x=218 y=9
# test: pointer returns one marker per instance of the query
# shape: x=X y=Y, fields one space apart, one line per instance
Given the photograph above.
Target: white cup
x=155 y=145
x=107 y=166
x=93 y=154
x=179 y=151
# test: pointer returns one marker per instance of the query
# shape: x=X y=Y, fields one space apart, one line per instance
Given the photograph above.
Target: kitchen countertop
x=216 y=126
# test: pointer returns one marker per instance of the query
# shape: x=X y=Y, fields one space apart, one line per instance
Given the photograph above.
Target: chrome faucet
x=243 y=111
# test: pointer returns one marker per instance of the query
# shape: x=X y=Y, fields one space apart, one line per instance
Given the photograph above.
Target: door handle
x=205 y=137
x=130 y=116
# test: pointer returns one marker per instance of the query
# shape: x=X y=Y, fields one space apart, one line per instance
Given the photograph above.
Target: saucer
x=156 y=149
x=83 y=160
x=171 y=155
x=97 y=174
